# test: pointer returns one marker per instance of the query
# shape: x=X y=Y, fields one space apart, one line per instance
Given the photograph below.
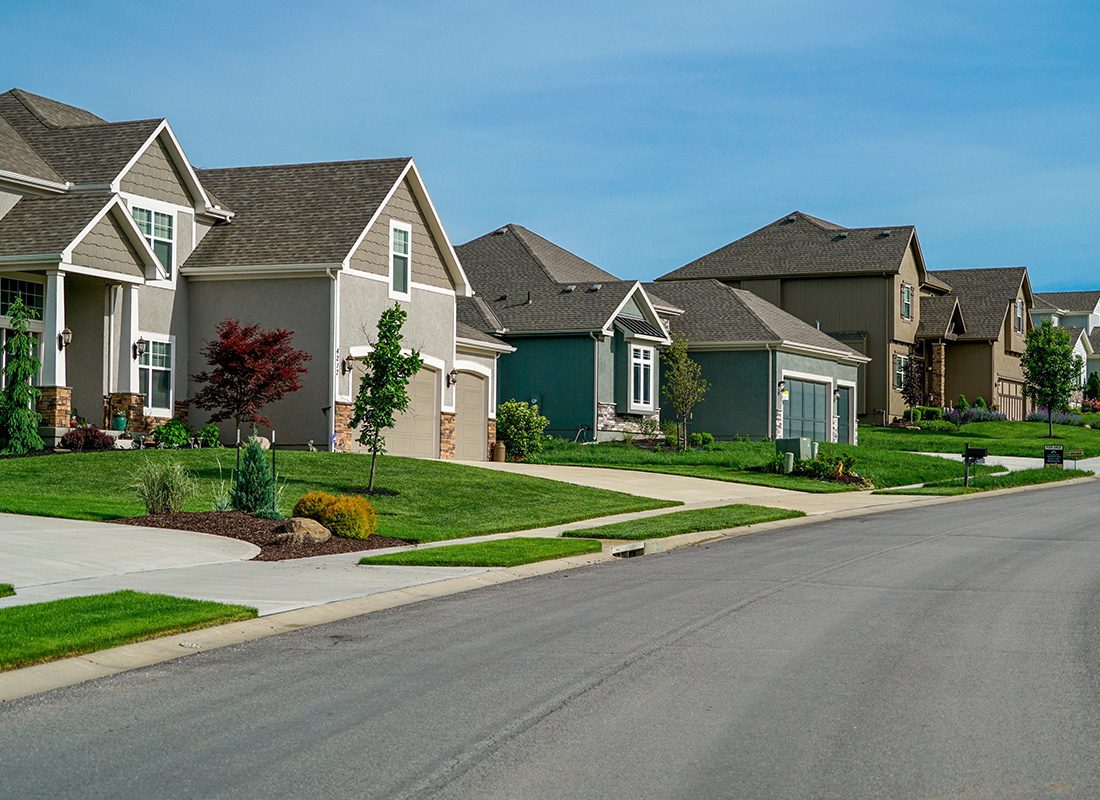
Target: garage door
x=806 y=410
x=416 y=432
x=1011 y=400
x=471 y=405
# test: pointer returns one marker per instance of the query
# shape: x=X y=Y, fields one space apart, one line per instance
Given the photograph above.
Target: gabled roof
x=937 y=313
x=985 y=295
x=55 y=113
x=1094 y=339
x=552 y=309
x=1041 y=304
x=474 y=312
x=1075 y=334
x=18 y=157
x=718 y=314
x=471 y=334
x=294 y=213
x=801 y=245
x=1080 y=302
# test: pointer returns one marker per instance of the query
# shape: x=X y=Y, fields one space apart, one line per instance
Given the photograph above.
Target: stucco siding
x=86 y=357
x=154 y=175
x=969 y=371
x=906 y=330
x=298 y=304
x=106 y=247
x=737 y=401
x=373 y=254
x=557 y=373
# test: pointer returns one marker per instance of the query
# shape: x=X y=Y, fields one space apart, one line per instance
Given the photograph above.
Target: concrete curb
x=78 y=669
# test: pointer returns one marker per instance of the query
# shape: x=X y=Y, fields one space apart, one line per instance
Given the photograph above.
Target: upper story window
x=400 y=259
x=155 y=376
x=641 y=378
x=33 y=295
x=906 y=301
x=159 y=230
x=1019 y=315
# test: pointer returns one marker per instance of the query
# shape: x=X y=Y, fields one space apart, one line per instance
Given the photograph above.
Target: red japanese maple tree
x=249 y=368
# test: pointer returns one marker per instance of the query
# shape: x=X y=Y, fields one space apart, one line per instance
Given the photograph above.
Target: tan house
x=131 y=257
x=870 y=289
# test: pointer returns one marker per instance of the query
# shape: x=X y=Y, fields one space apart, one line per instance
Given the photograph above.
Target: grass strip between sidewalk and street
x=988 y=483
x=39 y=632
x=692 y=521
x=6 y=590
x=494 y=553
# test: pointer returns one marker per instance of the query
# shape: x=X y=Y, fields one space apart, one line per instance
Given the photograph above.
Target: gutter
x=595 y=386
x=334 y=333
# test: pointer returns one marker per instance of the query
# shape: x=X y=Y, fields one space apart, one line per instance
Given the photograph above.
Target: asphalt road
x=943 y=652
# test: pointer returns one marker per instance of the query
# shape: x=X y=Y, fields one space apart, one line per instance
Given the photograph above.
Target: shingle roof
x=1071 y=301
x=640 y=326
x=936 y=313
x=39 y=225
x=16 y=155
x=799 y=244
x=1074 y=332
x=464 y=331
x=985 y=295
x=716 y=312
x=294 y=213
x=475 y=313
x=1094 y=339
x=551 y=308
x=56 y=113
x=1040 y=304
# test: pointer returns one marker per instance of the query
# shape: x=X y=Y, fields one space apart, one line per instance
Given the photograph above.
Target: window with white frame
x=155 y=375
x=641 y=377
x=1019 y=315
x=33 y=295
x=906 y=301
x=901 y=366
x=159 y=230
x=400 y=259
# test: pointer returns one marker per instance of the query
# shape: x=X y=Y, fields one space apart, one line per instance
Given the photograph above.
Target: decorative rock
x=265 y=443
x=299 y=530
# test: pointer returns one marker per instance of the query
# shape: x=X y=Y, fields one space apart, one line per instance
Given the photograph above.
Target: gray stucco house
x=132 y=256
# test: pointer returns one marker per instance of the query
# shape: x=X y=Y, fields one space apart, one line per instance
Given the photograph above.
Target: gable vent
x=595 y=287
x=841 y=235
x=569 y=289
x=500 y=231
x=886 y=233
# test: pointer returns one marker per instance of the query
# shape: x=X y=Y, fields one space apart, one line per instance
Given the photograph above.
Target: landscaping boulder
x=299 y=530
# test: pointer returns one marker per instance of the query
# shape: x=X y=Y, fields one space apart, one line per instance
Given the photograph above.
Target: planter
x=118 y=422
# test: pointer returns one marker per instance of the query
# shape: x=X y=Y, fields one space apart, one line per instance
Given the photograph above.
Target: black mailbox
x=976 y=453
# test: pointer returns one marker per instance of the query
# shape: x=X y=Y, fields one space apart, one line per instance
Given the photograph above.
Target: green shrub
x=254 y=487
x=173 y=433
x=669 y=429
x=961 y=403
x=311 y=504
x=701 y=439
x=349 y=517
x=827 y=467
x=521 y=427
x=210 y=435
x=930 y=412
x=1092 y=386
x=87 y=439
x=979 y=402
x=937 y=425
x=164 y=486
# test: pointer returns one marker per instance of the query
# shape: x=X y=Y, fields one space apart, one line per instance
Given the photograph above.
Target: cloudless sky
x=639 y=135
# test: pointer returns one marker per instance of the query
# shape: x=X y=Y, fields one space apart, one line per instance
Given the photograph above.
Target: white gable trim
x=115 y=206
x=647 y=308
x=435 y=227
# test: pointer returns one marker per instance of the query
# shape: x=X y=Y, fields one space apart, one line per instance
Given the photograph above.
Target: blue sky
x=639 y=135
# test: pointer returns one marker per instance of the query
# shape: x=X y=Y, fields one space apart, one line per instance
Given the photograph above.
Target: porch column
x=937 y=384
x=53 y=322
x=127 y=364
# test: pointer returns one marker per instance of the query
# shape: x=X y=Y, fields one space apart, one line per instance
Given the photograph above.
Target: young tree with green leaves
x=383 y=390
x=912 y=387
x=1051 y=370
x=1092 y=386
x=684 y=385
x=19 y=419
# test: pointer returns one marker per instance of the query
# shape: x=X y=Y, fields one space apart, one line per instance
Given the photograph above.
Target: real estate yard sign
x=1054 y=455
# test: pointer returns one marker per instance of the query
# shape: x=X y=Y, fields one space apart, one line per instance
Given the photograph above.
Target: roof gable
x=941 y=317
x=55 y=113
x=985 y=296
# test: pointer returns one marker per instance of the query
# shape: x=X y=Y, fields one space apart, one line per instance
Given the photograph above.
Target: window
x=159 y=231
x=641 y=377
x=906 y=301
x=33 y=295
x=155 y=376
x=901 y=366
x=400 y=252
x=1019 y=315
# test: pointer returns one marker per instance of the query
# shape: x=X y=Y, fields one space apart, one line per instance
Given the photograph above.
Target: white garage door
x=416 y=432
x=471 y=404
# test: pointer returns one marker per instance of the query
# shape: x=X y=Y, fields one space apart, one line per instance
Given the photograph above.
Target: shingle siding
x=155 y=176
x=106 y=247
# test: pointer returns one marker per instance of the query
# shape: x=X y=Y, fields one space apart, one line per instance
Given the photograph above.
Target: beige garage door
x=417 y=430
x=471 y=404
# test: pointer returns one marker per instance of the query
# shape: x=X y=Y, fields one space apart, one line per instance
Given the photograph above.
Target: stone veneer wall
x=491 y=427
x=937 y=392
x=342 y=422
x=132 y=406
x=55 y=404
x=446 y=435
x=610 y=421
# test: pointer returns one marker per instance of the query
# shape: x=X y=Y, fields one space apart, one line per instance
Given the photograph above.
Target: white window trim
x=905 y=287
x=824 y=380
x=894 y=373
x=1018 y=314
x=171 y=209
x=407 y=294
x=33 y=325
x=633 y=404
x=157 y=411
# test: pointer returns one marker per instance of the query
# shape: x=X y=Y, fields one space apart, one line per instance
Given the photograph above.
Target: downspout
x=334 y=332
x=769 y=429
x=595 y=386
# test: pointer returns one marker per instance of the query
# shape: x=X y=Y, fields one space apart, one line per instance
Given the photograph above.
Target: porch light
x=345 y=365
x=64 y=339
x=139 y=348
x=452 y=378
x=836 y=395
x=782 y=386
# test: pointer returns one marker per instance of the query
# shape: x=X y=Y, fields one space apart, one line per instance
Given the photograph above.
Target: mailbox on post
x=973 y=455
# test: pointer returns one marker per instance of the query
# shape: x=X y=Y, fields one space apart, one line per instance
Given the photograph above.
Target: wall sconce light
x=782 y=386
x=139 y=348
x=836 y=395
x=64 y=339
x=452 y=378
x=345 y=365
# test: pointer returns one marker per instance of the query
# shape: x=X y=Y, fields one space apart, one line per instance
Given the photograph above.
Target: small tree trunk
x=373 y=460
x=1050 y=422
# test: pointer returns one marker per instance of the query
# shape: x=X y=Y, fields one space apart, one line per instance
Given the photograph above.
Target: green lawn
x=6 y=590
x=41 y=632
x=677 y=522
x=1001 y=438
x=495 y=553
x=435 y=500
x=737 y=462
x=985 y=483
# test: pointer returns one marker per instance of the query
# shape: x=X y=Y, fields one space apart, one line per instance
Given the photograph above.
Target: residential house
x=587 y=344
x=867 y=288
x=132 y=256
x=771 y=375
x=1073 y=309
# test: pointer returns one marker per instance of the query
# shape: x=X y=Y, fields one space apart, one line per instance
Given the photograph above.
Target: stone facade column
x=937 y=384
x=55 y=405
x=491 y=427
x=778 y=414
x=132 y=406
x=446 y=435
x=342 y=426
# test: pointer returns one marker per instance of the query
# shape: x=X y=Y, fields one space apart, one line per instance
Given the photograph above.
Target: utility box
x=802 y=447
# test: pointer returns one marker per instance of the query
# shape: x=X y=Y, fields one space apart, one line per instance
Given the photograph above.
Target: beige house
x=132 y=256
x=868 y=288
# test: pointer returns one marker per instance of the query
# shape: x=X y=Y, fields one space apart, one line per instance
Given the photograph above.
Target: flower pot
x=118 y=423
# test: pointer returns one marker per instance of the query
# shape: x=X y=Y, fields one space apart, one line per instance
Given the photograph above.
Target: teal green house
x=771 y=375
x=587 y=345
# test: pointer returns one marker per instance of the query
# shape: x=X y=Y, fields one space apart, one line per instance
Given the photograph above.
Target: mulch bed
x=257 y=531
